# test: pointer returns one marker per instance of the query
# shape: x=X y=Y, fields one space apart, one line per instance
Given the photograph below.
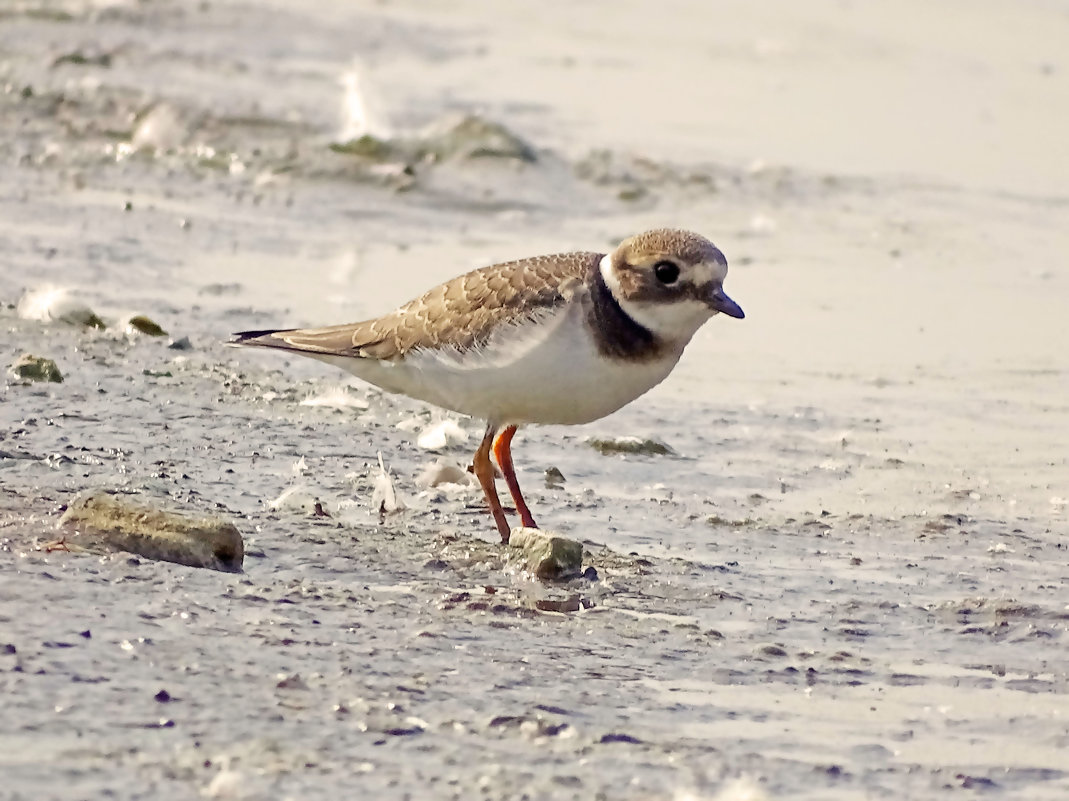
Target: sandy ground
x=849 y=581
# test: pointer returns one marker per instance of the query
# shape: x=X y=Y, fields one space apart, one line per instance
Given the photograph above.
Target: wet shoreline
x=845 y=578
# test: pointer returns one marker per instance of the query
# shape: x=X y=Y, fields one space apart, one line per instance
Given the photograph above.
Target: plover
x=564 y=339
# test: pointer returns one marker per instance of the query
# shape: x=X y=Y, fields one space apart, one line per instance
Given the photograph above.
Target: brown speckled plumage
x=461 y=313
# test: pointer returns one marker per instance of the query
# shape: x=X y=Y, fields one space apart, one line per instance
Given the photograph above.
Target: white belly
x=547 y=371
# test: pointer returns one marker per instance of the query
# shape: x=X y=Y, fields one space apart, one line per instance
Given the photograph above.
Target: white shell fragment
x=298 y=498
x=336 y=398
x=384 y=497
x=438 y=473
x=441 y=435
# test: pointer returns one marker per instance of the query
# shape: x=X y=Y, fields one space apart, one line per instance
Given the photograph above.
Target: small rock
x=619 y=738
x=9 y=659
x=630 y=445
x=548 y=556
x=367 y=147
x=35 y=368
x=180 y=344
x=771 y=650
x=98 y=521
x=144 y=325
x=29 y=367
x=554 y=478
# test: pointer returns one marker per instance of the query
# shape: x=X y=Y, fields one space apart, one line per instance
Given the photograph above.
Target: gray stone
x=35 y=368
x=145 y=325
x=549 y=556
x=630 y=445
x=99 y=521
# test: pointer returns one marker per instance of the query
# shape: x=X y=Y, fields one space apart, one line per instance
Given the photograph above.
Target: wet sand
x=847 y=581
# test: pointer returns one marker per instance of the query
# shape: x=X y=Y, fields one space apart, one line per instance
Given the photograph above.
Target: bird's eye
x=667 y=272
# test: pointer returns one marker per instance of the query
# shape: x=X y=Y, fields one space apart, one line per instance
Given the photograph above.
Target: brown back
x=460 y=313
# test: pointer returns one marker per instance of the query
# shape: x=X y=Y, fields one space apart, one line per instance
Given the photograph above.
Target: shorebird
x=563 y=339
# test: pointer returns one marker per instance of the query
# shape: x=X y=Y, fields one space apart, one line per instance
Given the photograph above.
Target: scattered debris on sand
x=460 y=137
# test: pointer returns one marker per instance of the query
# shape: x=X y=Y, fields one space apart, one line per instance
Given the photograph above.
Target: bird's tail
x=335 y=340
x=262 y=339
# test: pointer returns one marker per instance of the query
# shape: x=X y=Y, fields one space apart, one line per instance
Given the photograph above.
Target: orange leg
x=503 y=452
x=484 y=471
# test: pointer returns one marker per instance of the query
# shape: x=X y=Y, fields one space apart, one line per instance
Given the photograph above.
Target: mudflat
x=827 y=558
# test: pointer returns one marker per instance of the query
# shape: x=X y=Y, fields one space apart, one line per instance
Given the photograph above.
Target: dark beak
x=725 y=305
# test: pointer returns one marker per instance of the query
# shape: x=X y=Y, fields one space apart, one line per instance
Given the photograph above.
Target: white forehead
x=708 y=272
